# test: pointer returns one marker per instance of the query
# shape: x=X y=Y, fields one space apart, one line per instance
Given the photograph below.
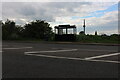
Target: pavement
x=54 y=60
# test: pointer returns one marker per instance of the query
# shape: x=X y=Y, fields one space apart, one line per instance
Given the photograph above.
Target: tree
x=1 y=30
x=10 y=30
x=38 y=29
x=115 y=37
x=81 y=33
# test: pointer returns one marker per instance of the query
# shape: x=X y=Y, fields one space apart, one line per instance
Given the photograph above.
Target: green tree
x=1 y=30
x=81 y=33
x=10 y=30
x=38 y=29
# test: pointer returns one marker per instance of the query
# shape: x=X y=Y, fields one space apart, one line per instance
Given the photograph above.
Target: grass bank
x=98 y=39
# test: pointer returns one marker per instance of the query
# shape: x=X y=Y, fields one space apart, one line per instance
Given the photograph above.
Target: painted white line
x=101 y=56
x=60 y=48
x=89 y=49
x=70 y=58
x=98 y=50
x=51 y=51
x=18 y=48
x=108 y=61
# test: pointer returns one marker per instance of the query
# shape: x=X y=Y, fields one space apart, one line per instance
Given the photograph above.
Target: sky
x=100 y=16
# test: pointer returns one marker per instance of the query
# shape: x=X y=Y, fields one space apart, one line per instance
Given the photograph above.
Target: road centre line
x=18 y=48
x=52 y=51
x=101 y=56
x=58 y=57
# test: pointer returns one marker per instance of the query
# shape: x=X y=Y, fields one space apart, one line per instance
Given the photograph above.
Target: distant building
x=62 y=33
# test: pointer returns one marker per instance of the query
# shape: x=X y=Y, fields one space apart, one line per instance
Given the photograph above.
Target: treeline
x=38 y=29
x=41 y=30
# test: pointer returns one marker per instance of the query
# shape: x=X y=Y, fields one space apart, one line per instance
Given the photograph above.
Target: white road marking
x=101 y=56
x=89 y=49
x=108 y=61
x=52 y=51
x=58 y=57
x=98 y=50
x=83 y=59
x=60 y=48
x=18 y=48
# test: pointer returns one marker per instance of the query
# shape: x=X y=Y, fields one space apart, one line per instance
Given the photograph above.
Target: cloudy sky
x=100 y=16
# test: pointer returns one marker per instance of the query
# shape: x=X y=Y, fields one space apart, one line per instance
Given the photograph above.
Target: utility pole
x=84 y=26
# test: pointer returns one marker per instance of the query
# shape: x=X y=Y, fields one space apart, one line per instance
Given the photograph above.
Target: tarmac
x=29 y=59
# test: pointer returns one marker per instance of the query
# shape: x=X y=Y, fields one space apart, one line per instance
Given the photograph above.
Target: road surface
x=49 y=60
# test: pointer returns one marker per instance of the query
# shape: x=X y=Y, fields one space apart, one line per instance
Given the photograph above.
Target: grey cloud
x=46 y=11
x=27 y=11
x=52 y=8
x=68 y=6
x=20 y=8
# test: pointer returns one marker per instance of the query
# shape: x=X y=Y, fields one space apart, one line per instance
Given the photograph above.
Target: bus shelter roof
x=65 y=26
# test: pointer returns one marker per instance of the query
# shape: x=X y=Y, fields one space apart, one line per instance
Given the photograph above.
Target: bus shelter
x=65 y=33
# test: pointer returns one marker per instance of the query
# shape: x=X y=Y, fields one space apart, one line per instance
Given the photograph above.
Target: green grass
x=97 y=39
x=80 y=38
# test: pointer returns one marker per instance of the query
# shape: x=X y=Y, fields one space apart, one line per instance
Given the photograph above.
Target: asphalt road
x=46 y=60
